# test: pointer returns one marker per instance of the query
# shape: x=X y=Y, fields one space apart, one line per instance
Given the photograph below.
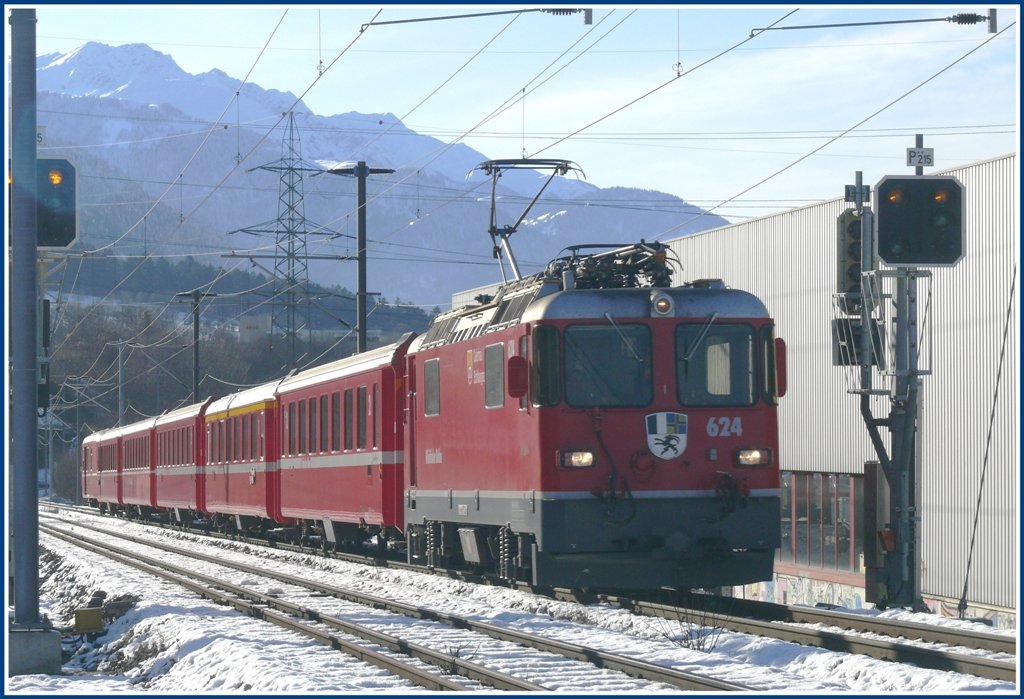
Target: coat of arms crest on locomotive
x=666 y=434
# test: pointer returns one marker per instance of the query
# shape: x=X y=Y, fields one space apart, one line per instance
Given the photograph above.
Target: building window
x=822 y=520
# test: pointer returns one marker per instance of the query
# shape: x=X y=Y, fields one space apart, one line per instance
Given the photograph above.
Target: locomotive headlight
x=753 y=457
x=662 y=305
x=576 y=459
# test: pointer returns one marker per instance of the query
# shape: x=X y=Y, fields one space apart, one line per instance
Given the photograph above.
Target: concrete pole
x=24 y=425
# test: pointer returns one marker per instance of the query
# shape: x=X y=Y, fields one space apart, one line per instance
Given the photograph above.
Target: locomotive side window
x=608 y=365
x=494 y=376
x=715 y=365
x=545 y=377
x=432 y=387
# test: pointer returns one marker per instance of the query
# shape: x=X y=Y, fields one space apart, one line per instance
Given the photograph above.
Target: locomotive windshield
x=608 y=365
x=715 y=364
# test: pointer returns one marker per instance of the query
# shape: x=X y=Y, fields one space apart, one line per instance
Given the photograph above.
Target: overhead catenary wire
x=839 y=136
x=654 y=90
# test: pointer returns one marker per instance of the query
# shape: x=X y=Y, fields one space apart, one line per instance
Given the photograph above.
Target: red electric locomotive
x=592 y=426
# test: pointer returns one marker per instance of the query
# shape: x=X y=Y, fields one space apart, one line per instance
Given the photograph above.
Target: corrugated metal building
x=967 y=454
x=789 y=261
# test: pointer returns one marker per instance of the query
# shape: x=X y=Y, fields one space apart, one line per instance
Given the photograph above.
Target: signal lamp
x=919 y=221
x=56 y=203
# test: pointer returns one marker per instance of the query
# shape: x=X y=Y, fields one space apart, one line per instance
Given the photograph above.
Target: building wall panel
x=789 y=260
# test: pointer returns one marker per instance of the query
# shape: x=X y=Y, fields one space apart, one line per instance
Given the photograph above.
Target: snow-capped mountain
x=174 y=163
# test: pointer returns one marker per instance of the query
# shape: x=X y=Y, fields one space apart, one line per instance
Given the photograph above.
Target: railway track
x=940 y=648
x=258 y=604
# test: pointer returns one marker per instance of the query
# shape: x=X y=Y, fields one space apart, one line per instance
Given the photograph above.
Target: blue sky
x=746 y=125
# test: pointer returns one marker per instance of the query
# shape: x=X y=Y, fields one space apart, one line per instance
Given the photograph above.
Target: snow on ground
x=171 y=641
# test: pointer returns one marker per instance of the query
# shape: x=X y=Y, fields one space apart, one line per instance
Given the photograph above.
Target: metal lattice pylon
x=291 y=299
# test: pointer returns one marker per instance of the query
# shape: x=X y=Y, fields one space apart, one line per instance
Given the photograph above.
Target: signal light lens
x=576 y=459
x=55 y=177
x=897 y=196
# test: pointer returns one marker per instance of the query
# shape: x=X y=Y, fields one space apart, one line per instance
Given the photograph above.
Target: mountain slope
x=170 y=164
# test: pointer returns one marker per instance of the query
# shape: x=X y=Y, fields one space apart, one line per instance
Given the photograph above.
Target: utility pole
x=360 y=172
x=291 y=259
x=195 y=295
x=120 y=383
x=23 y=424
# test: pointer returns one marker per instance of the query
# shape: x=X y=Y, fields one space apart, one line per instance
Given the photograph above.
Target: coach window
x=324 y=417
x=220 y=441
x=432 y=387
x=254 y=426
x=375 y=416
x=312 y=425
x=715 y=364
x=259 y=434
x=336 y=421
x=302 y=427
x=348 y=418
x=361 y=418
x=291 y=429
x=494 y=376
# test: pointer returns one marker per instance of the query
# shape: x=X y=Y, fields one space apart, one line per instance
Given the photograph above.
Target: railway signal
x=849 y=235
x=919 y=221
x=56 y=203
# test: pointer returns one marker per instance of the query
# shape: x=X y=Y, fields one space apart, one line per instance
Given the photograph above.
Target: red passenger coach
x=180 y=460
x=100 y=459
x=582 y=428
x=241 y=474
x=137 y=472
x=341 y=446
